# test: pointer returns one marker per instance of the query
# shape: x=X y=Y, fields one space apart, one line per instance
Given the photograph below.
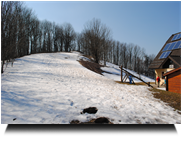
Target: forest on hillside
x=22 y=33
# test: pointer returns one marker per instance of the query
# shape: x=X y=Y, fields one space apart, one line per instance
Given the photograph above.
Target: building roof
x=172 y=71
x=176 y=59
x=171 y=50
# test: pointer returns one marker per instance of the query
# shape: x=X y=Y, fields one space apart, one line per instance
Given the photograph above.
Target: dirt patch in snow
x=90 y=110
x=100 y=120
x=92 y=66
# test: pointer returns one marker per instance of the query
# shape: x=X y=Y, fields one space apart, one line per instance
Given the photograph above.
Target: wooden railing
x=127 y=74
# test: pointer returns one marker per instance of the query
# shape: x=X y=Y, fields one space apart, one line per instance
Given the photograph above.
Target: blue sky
x=146 y=23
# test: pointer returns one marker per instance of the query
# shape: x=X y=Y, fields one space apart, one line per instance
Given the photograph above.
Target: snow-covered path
x=55 y=88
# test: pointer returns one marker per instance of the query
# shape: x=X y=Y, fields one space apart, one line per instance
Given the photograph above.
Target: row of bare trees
x=96 y=41
x=15 y=29
x=23 y=34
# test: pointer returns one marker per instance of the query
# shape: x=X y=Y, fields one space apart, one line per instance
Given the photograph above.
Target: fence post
x=121 y=73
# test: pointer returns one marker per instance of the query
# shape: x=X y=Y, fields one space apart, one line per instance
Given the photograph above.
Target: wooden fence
x=127 y=74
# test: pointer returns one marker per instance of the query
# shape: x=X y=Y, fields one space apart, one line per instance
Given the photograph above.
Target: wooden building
x=168 y=58
x=173 y=80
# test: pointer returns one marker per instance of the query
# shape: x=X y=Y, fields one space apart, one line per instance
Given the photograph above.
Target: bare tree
x=95 y=34
x=56 y=37
x=40 y=35
x=124 y=54
x=136 y=52
x=113 y=52
x=84 y=44
x=34 y=35
x=69 y=37
x=61 y=37
x=8 y=31
x=118 y=49
x=105 y=51
x=78 y=41
x=13 y=30
x=108 y=54
x=130 y=55
x=109 y=48
x=46 y=31
x=142 y=58
x=146 y=65
x=151 y=72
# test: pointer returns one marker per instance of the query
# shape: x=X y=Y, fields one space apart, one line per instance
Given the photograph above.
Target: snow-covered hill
x=54 y=88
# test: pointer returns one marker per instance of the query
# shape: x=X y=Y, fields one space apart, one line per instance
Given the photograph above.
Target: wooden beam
x=133 y=81
x=126 y=77
x=127 y=73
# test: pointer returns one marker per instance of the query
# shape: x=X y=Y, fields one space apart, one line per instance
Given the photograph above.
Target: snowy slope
x=114 y=73
x=54 y=88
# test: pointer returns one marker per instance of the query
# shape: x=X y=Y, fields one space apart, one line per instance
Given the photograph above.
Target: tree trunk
x=2 y=66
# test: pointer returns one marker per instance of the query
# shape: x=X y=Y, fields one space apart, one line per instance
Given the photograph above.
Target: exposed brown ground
x=92 y=66
x=173 y=99
x=93 y=121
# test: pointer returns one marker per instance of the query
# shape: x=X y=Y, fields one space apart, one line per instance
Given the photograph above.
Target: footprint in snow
x=71 y=103
x=42 y=120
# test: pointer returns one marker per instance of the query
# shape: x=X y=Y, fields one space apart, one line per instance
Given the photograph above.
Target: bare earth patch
x=173 y=99
x=92 y=66
x=100 y=120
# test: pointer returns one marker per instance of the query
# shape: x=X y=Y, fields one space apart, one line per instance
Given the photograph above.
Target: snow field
x=55 y=88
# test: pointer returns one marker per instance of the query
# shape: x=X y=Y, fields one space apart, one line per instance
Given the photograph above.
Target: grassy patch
x=138 y=83
x=127 y=83
x=173 y=99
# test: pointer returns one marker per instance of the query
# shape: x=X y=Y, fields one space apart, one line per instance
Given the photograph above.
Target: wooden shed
x=173 y=80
